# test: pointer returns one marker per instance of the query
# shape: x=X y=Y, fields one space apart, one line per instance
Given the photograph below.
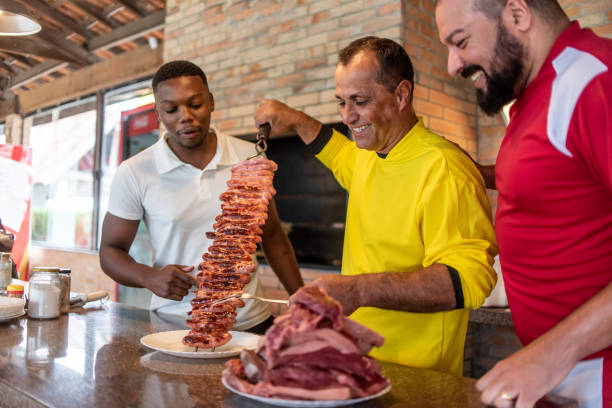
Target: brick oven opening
x=310 y=202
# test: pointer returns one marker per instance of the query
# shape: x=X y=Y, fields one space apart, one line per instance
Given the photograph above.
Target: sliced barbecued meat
x=312 y=352
x=227 y=265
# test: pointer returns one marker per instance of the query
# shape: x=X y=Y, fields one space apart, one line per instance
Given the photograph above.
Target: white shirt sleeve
x=125 y=199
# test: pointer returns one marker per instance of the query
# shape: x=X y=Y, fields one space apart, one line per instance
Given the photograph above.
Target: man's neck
x=199 y=156
x=542 y=39
x=404 y=126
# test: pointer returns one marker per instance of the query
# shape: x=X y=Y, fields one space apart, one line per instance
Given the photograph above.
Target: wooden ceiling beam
x=95 y=13
x=151 y=23
x=134 y=7
x=58 y=17
x=24 y=60
x=129 y=32
x=73 y=51
x=32 y=74
x=27 y=46
x=7 y=68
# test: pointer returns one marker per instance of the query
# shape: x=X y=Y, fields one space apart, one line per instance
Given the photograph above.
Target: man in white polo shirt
x=174 y=186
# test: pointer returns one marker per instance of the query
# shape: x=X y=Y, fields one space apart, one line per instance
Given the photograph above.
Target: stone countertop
x=93 y=358
x=497 y=316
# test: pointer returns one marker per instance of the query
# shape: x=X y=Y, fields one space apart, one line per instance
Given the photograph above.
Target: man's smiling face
x=481 y=48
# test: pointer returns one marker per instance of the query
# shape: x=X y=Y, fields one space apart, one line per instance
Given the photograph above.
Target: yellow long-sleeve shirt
x=425 y=203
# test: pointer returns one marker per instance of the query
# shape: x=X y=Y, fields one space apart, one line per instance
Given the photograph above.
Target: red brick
x=215 y=19
x=380 y=23
x=228 y=124
x=427 y=108
x=459 y=118
x=593 y=6
x=429 y=31
x=572 y=11
x=270 y=10
x=411 y=24
x=429 y=82
x=420 y=92
x=289 y=79
x=389 y=8
x=252 y=77
x=603 y=30
x=314 y=62
x=429 y=6
x=318 y=17
x=212 y=11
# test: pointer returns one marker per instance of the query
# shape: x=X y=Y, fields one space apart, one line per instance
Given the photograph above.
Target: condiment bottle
x=64 y=275
x=15 y=291
x=6 y=270
x=44 y=294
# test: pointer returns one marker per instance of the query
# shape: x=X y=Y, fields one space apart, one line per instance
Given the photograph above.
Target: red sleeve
x=591 y=128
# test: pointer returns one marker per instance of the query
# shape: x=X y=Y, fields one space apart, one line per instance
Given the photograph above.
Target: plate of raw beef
x=313 y=356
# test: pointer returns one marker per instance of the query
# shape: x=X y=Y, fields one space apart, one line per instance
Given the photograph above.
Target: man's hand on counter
x=171 y=281
x=523 y=378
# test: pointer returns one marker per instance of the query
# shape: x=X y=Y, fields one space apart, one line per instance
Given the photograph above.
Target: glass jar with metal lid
x=44 y=293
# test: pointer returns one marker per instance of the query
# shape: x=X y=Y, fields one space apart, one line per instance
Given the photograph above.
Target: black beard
x=506 y=72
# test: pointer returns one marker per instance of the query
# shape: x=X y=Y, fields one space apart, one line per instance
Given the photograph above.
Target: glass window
x=117 y=102
x=63 y=141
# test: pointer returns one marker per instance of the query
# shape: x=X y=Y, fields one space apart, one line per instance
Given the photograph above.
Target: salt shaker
x=44 y=294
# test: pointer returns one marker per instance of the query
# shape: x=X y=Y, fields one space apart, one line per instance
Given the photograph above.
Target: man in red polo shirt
x=554 y=177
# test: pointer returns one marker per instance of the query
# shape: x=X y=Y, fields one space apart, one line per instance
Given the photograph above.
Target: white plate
x=171 y=342
x=7 y=317
x=306 y=404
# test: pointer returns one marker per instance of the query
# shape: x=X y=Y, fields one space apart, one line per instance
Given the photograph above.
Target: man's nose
x=454 y=64
x=185 y=115
x=348 y=114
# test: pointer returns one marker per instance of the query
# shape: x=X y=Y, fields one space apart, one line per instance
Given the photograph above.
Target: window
x=67 y=205
x=62 y=141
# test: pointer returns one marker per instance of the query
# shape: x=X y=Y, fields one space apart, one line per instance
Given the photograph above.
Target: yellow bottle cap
x=14 y=289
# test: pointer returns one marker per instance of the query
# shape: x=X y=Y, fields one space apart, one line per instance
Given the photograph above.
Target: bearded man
x=554 y=177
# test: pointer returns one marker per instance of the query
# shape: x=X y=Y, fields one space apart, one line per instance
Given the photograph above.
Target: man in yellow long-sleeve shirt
x=419 y=243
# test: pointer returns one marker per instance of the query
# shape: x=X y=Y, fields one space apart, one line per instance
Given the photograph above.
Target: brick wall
x=272 y=49
x=287 y=50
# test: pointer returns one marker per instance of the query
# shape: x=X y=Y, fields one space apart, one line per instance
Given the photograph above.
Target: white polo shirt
x=178 y=203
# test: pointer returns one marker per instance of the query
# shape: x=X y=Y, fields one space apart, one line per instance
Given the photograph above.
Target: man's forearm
x=122 y=268
x=286 y=268
x=585 y=331
x=306 y=127
x=422 y=291
x=488 y=173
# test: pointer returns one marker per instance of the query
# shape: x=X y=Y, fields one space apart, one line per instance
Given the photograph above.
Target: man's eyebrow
x=449 y=37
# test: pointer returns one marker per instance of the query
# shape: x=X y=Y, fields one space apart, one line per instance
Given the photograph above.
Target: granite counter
x=93 y=358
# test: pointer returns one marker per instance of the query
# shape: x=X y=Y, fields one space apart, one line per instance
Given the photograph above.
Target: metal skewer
x=242 y=295
x=261 y=143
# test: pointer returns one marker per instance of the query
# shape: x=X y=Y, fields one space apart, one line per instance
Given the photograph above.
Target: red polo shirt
x=554 y=176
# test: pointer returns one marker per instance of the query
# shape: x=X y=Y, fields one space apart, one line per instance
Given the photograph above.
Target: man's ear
x=403 y=94
x=517 y=16
x=212 y=101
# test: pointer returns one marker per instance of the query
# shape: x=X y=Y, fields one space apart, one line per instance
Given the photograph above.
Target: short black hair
x=549 y=10
x=395 y=64
x=176 y=69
